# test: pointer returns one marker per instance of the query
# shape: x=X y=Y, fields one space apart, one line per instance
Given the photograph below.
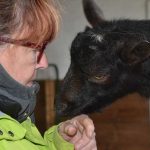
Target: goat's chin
x=68 y=112
x=71 y=110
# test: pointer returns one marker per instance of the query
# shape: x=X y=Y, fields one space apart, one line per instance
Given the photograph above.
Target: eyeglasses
x=28 y=44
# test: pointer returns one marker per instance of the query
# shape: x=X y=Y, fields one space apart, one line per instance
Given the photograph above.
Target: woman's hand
x=80 y=132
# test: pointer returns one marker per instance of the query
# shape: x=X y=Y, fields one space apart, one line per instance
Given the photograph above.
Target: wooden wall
x=125 y=125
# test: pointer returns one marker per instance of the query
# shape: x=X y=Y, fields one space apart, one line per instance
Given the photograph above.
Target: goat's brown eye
x=103 y=79
x=100 y=77
x=93 y=47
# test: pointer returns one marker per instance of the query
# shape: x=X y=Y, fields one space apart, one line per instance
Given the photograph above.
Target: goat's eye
x=103 y=79
x=93 y=47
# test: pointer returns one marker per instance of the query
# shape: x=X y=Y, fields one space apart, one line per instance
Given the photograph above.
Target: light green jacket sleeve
x=25 y=136
x=55 y=141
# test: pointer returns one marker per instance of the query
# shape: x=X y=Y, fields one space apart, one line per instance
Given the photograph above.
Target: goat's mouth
x=65 y=110
x=73 y=109
x=70 y=109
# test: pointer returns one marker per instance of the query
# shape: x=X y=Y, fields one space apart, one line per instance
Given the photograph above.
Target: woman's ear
x=137 y=54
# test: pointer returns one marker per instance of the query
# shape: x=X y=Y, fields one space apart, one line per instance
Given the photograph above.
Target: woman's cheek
x=34 y=57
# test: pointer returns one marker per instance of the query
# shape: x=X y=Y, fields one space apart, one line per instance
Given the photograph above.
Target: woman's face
x=21 y=63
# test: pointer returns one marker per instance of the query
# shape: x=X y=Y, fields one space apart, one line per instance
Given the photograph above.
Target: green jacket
x=25 y=136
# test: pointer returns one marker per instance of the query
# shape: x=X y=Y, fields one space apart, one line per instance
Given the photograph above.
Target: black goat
x=108 y=60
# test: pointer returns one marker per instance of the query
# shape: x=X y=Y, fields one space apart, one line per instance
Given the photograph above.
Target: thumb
x=70 y=130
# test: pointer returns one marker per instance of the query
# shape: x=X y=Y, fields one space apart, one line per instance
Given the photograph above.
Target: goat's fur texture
x=108 y=60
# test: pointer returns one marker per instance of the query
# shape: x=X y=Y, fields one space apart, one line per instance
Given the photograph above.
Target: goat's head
x=105 y=65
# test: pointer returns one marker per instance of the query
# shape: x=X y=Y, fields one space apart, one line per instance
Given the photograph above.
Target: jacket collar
x=16 y=100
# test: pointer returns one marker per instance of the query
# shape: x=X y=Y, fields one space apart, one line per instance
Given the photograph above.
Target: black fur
x=108 y=61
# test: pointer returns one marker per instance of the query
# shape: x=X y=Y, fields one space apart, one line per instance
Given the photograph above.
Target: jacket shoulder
x=10 y=129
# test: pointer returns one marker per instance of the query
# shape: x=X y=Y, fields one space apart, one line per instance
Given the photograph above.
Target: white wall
x=73 y=21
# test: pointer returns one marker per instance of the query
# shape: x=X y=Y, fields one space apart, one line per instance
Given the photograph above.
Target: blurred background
x=125 y=125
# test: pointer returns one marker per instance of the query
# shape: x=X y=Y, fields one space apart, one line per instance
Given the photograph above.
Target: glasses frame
x=28 y=44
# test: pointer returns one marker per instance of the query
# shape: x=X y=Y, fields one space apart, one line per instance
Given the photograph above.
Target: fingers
x=67 y=130
x=80 y=132
x=74 y=131
x=70 y=130
x=90 y=146
x=89 y=127
x=86 y=144
x=84 y=122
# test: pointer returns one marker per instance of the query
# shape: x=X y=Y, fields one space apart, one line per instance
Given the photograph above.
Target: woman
x=26 y=26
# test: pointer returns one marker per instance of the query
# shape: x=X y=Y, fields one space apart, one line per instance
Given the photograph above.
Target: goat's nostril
x=64 y=106
x=61 y=108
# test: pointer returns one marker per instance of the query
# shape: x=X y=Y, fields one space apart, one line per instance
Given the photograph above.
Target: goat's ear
x=87 y=28
x=92 y=12
x=138 y=54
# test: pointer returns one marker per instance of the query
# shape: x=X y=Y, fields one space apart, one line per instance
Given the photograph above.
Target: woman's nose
x=42 y=62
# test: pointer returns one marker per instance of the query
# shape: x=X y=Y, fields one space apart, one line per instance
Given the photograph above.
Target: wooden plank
x=44 y=111
x=49 y=98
